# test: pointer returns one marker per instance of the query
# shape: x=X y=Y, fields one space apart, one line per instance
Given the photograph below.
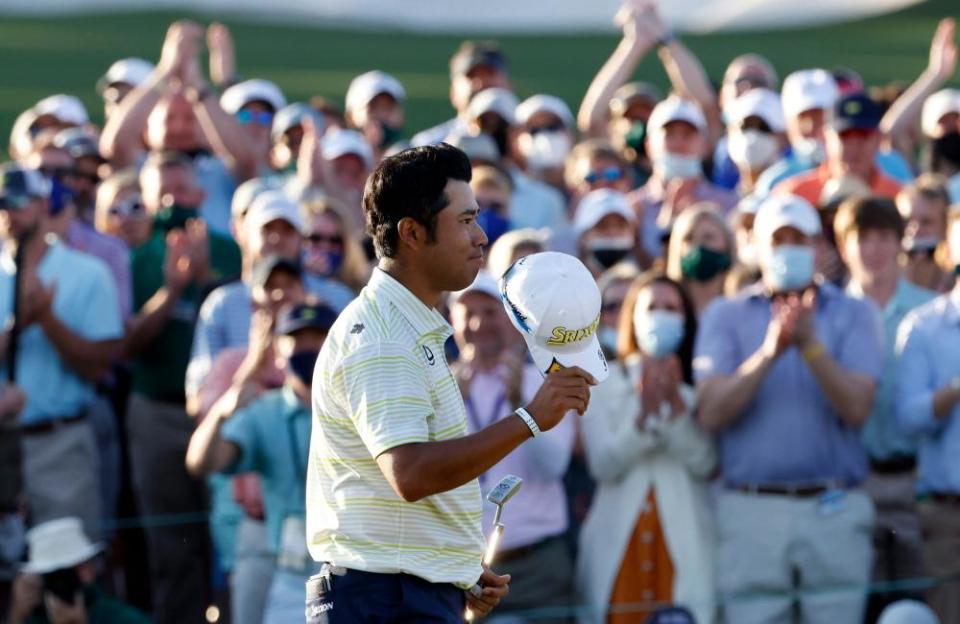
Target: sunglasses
x=132 y=208
x=610 y=174
x=554 y=127
x=247 y=117
x=316 y=239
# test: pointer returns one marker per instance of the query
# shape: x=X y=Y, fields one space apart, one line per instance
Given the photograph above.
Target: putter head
x=504 y=491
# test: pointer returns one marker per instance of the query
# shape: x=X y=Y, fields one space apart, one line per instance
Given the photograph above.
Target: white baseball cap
x=57 y=545
x=675 y=108
x=66 y=108
x=908 y=612
x=494 y=100
x=269 y=206
x=543 y=103
x=292 y=115
x=475 y=146
x=255 y=90
x=941 y=103
x=808 y=89
x=367 y=86
x=342 y=142
x=251 y=189
x=554 y=302
x=132 y=71
x=779 y=211
x=483 y=283
x=597 y=204
x=759 y=102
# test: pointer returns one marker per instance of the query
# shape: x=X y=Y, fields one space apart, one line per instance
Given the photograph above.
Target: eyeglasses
x=317 y=238
x=554 y=127
x=609 y=174
x=132 y=208
x=247 y=117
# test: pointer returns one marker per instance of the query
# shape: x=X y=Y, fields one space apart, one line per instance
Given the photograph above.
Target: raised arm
x=904 y=112
x=639 y=37
x=122 y=139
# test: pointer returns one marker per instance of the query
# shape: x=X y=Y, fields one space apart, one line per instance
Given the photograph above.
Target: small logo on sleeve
x=357 y=329
x=431 y=359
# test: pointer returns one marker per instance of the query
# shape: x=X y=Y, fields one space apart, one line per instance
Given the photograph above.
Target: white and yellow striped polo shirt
x=381 y=381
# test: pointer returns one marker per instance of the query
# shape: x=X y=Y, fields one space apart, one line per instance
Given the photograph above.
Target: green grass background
x=40 y=56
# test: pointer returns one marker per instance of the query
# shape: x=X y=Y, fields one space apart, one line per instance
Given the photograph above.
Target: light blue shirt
x=929 y=346
x=218 y=184
x=224 y=321
x=535 y=204
x=882 y=436
x=789 y=434
x=85 y=300
x=273 y=434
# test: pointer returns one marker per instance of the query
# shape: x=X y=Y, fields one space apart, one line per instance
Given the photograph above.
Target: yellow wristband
x=812 y=352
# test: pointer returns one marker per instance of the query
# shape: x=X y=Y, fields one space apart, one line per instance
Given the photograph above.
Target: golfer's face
x=458 y=248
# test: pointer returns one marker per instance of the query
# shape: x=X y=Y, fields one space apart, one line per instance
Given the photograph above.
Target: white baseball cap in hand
x=554 y=302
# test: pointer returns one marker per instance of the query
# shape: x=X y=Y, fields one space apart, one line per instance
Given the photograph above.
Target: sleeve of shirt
x=206 y=342
x=386 y=395
x=99 y=316
x=714 y=350
x=861 y=350
x=241 y=430
x=916 y=379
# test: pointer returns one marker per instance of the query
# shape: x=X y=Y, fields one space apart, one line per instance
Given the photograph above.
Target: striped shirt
x=382 y=381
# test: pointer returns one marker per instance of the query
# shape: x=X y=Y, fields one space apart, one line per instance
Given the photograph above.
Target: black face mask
x=609 y=251
x=301 y=364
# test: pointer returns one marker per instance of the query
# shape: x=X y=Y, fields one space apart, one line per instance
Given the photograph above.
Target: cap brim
x=590 y=359
x=44 y=568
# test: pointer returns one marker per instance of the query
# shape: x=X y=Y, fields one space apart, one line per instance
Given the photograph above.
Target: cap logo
x=554 y=366
x=562 y=336
x=852 y=107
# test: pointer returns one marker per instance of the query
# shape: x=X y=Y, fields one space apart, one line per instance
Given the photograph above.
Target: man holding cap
x=786 y=374
x=393 y=503
x=676 y=144
x=852 y=142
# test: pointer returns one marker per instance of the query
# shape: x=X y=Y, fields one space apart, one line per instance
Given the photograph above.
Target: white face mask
x=752 y=149
x=810 y=150
x=545 y=150
x=676 y=166
x=788 y=267
x=658 y=332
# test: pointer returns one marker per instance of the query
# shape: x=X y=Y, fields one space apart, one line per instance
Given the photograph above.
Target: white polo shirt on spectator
x=382 y=381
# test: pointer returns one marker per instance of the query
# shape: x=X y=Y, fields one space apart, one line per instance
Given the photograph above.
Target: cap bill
x=590 y=359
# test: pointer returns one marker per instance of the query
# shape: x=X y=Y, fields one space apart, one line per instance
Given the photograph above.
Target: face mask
x=703 y=264
x=658 y=332
x=609 y=251
x=493 y=223
x=810 y=151
x=752 y=149
x=608 y=339
x=788 y=267
x=390 y=135
x=323 y=263
x=636 y=138
x=301 y=365
x=674 y=166
x=174 y=217
x=545 y=150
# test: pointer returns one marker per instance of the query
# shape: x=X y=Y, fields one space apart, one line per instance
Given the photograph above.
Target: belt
x=895 y=465
x=54 y=424
x=796 y=491
x=947 y=498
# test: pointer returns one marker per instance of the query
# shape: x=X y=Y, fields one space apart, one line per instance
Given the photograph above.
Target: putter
x=499 y=496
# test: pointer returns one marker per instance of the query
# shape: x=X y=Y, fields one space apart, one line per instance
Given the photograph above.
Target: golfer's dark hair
x=410 y=184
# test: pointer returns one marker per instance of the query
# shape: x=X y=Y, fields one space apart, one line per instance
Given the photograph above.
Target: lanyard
x=475 y=421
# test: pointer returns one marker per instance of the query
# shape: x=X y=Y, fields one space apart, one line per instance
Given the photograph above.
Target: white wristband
x=527 y=418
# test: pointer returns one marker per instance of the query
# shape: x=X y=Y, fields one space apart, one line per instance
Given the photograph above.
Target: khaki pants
x=60 y=469
x=771 y=546
x=941 y=555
